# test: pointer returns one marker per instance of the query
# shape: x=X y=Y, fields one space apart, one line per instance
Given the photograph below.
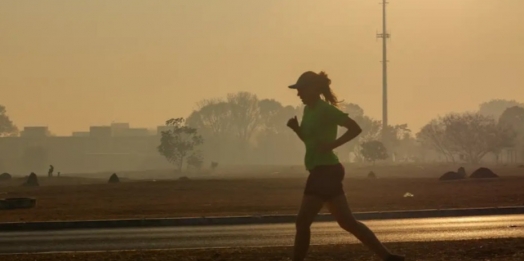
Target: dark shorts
x=325 y=182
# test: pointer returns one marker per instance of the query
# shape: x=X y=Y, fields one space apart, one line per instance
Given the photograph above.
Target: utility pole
x=384 y=35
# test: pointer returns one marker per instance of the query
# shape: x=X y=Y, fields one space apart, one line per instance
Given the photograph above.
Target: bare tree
x=245 y=115
x=433 y=136
x=212 y=116
x=472 y=134
x=228 y=125
x=213 y=121
x=270 y=110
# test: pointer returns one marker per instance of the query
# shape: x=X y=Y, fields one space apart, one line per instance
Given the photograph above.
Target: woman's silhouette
x=318 y=131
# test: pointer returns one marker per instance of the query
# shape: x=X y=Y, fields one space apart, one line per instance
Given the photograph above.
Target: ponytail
x=324 y=84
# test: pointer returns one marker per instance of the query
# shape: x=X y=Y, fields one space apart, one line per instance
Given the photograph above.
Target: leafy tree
x=512 y=121
x=195 y=161
x=274 y=142
x=178 y=142
x=406 y=147
x=353 y=110
x=502 y=137
x=374 y=150
x=272 y=116
x=7 y=128
x=513 y=118
x=393 y=136
x=494 y=108
x=370 y=129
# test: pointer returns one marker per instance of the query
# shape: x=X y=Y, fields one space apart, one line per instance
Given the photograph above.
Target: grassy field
x=473 y=250
x=75 y=198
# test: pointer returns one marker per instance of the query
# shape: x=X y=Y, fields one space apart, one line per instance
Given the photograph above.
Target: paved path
x=401 y=230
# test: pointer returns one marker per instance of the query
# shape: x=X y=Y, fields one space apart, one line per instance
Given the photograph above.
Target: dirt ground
x=473 y=250
x=77 y=198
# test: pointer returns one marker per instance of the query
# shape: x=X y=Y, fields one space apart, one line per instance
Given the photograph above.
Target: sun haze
x=72 y=64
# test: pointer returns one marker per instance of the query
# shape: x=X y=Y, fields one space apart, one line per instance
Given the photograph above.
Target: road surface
x=427 y=229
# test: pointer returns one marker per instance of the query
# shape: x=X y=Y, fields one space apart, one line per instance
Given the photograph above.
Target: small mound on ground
x=184 y=178
x=114 y=179
x=372 y=175
x=483 y=173
x=5 y=176
x=451 y=175
x=32 y=181
x=462 y=172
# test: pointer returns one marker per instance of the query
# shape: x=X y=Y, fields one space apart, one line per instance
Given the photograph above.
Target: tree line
x=243 y=129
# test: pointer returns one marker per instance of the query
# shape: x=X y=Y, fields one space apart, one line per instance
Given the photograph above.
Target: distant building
x=136 y=132
x=96 y=150
x=152 y=132
x=119 y=129
x=80 y=134
x=100 y=131
x=35 y=132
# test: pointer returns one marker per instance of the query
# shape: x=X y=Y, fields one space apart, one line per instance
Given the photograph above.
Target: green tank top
x=319 y=125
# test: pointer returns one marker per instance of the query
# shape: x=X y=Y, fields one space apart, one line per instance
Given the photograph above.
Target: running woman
x=318 y=131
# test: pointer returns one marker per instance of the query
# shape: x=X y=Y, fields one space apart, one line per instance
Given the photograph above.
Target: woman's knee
x=302 y=225
x=349 y=224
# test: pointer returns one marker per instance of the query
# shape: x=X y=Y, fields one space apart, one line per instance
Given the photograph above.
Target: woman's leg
x=309 y=209
x=339 y=208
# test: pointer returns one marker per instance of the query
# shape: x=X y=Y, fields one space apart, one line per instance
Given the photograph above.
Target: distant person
x=50 y=171
x=318 y=131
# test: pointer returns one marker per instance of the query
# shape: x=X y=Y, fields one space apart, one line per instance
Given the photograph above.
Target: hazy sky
x=71 y=64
